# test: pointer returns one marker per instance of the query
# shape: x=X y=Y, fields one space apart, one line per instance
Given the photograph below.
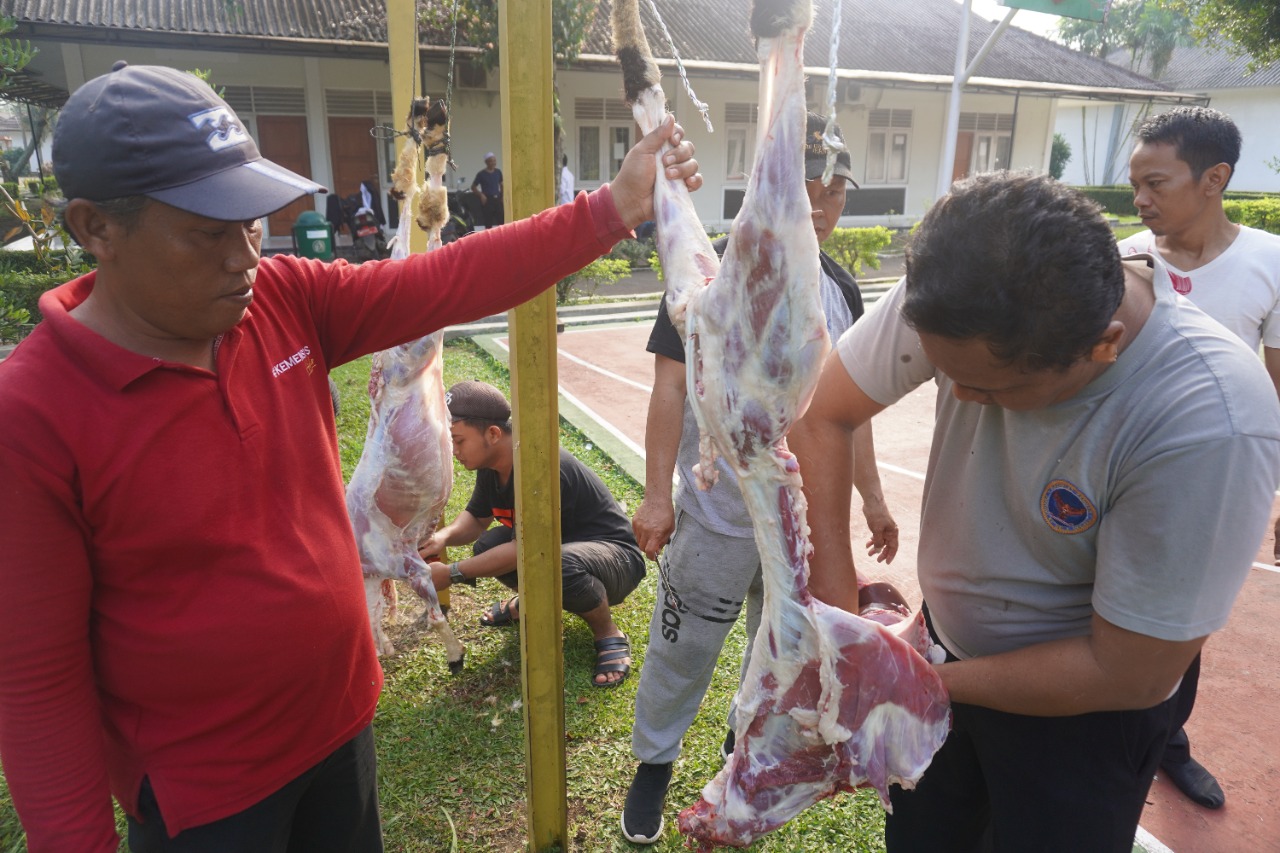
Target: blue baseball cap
x=165 y=134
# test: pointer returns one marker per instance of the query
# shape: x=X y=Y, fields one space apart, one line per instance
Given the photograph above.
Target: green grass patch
x=1125 y=231
x=451 y=766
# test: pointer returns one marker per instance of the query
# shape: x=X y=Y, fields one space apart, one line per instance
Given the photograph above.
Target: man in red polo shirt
x=182 y=619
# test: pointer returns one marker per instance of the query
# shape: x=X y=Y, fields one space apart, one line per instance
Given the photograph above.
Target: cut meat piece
x=830 y=701
x=399 y=489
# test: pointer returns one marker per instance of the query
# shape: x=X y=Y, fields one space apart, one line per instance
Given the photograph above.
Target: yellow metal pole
x=406 y=80
x=524 y=29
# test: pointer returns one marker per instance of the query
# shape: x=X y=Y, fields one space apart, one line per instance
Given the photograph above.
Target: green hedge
x=23 y=278
x=854 y=247
x=23 y=289
x=1263 y=214
x=1118 y=200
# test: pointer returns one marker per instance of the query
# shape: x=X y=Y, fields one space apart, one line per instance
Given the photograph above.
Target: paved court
x=605 y=376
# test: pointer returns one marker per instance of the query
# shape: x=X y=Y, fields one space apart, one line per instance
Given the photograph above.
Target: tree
x=477 y=22
x=478 y=26
x=1059 y=156
x=1148 y=29
x=1249 y=27
x=14 y=54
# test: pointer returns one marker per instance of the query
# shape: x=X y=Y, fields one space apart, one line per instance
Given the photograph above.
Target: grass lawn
x=451 y=748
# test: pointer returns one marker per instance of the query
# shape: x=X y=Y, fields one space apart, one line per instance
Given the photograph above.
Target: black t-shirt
x=588 y=511
x=665 y=340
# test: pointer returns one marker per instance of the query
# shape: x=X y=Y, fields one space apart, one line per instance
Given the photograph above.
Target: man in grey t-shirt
x=1066 y=568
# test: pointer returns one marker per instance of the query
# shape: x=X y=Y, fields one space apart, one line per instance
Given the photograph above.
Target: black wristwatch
x=455 y=574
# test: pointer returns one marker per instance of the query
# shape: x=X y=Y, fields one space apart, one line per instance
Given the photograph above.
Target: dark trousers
x=1178 y=750
x=592 y=573
x=331 y=808
x=492 y=212
x=1012 y=783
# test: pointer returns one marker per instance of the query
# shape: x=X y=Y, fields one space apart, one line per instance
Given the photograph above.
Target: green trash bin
x=313 y=236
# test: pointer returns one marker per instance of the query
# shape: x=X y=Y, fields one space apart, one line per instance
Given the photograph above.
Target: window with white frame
x=739 y=129
x=992 y=140
x=604 y=137
x=888 y=146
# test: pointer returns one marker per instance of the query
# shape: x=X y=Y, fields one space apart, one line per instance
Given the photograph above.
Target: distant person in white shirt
x=1179 y=169
x=566 y=181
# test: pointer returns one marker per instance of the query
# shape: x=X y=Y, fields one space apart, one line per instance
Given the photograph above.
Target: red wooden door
x=354 y=154
x=283 y=140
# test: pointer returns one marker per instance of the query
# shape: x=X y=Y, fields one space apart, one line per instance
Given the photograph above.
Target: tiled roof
x=1199 y=69
x=902 y=36
x=354 y=20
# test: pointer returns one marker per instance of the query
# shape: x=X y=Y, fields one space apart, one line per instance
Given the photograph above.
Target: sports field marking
x=648 y=389
x=1150 y=843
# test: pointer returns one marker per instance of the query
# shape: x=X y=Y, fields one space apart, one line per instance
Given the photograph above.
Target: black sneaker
x=1191 y=778
x=726 y=748
x=642 y=815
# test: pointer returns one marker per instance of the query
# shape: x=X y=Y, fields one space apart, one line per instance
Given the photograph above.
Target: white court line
x=1275 y=569
x=885 y=466
x=610 y=428
x=648 y=389
x=587 y=410
x=1150 y=843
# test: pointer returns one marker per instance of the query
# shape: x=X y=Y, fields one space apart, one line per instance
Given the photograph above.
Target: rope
x=448 y=86
x=675 y=54
x=834 y=145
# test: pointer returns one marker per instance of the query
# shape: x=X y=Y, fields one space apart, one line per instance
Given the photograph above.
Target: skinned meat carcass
x=399 y=489
x=830 y=701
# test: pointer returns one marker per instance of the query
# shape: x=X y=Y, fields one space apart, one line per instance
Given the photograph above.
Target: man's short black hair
x=1020 y=261
x=1202 y=137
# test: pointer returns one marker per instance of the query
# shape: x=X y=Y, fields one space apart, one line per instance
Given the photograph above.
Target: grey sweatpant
x=705 y=578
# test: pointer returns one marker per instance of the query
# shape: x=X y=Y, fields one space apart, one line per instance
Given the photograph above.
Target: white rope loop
x=833 y=143
x=703 y=108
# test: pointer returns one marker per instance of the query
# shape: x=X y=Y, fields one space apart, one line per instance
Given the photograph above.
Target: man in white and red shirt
x=1179 y=169
x=182 y=617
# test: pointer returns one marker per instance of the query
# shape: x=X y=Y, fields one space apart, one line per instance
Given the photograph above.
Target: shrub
x=1118 y=200
x=586 y=280
x=1263 y=214
x=21 y=290
x=13 y=320
x=1059 y=156
x=853 y=247
x=634 y=252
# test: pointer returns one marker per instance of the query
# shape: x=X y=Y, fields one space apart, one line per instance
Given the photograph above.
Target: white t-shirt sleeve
x=882 y=353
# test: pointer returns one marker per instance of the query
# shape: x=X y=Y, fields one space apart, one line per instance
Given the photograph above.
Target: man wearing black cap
x=712 y=569
x=600 y=563
x=182 y=618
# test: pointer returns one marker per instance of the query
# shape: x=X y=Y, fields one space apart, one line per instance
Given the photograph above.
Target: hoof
x=455 y=666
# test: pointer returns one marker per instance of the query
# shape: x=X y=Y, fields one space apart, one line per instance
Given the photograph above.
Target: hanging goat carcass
x=398 y=491
x=830 y=701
